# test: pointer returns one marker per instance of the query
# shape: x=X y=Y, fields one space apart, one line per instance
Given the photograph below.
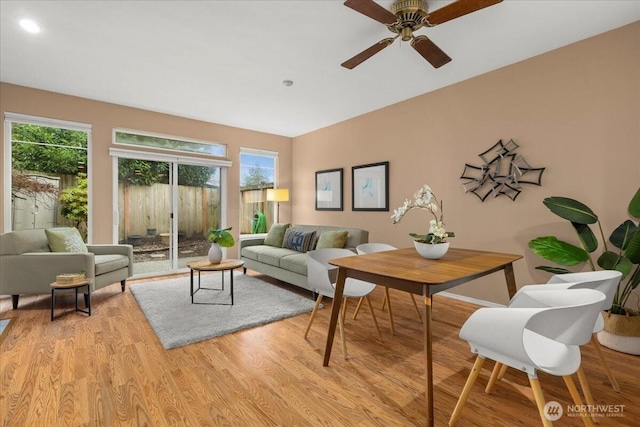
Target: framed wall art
x=370 y=187
x=329 y=190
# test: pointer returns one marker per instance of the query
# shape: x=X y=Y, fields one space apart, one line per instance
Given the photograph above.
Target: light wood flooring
x=110 y=370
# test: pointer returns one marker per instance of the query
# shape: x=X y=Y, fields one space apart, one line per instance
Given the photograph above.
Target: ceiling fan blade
x=430 y=51
x=372 y=10
x=458 y=9
x=367 y=53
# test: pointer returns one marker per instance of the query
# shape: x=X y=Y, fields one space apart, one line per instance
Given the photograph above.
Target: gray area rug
x=167 y=306
x=3 y=324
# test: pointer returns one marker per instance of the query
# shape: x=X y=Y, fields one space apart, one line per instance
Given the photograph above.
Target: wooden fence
x=145 y=207
x=148 y=207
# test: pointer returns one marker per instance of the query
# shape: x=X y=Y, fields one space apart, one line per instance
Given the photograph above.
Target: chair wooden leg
x=473 y=376
x=586 y=390
x=539 y=397
x=355 y=313
x=503 y=370
x=313 y=315
x=341 y=325
x=603 y=362
x=573 y=391
x=373 y=315
x=415 y=305
x=494 y=377
x=386 y=294
x=384 y=302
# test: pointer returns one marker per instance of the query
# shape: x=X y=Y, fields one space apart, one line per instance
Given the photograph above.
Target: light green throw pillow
x=276 y=235
x=65 y=239
x=332 y=239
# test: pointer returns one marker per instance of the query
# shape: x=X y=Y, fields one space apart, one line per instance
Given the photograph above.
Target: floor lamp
x=278 y=195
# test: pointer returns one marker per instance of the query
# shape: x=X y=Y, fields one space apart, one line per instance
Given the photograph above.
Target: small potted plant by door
x=621 y=252
x=219 y=237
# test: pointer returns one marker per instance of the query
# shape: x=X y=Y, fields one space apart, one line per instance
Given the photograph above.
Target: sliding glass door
x=145 y=213
x=165 y=209
x=197 y=210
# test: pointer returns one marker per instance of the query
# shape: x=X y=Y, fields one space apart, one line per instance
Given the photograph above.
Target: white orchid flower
x=424 y=198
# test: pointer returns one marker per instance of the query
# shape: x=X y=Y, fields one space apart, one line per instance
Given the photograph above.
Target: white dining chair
x=544 y=339
x=321 y=277
x=367 y=248
x=605 y=281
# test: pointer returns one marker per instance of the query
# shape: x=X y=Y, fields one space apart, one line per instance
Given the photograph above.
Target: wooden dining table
x=406 y=270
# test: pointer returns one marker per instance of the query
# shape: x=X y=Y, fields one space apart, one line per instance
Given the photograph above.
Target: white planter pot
x=215 y=254
x=429 y=251
x=621 y=333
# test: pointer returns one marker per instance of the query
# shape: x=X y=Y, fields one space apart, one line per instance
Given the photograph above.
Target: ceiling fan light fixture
x=407 y=16
x=410 y=13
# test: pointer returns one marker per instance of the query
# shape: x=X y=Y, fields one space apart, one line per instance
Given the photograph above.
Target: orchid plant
x=425 y=199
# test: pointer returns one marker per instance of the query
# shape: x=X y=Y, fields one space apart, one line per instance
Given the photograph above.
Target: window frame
x=9 y=120
x=264 y=153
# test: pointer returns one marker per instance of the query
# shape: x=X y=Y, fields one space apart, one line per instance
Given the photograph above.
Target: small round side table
x=55 y=286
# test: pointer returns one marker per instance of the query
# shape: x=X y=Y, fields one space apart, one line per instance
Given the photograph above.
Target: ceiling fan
x=407 y=16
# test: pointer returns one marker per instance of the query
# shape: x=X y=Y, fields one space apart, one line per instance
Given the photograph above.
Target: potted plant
x=219 y=237
x=622 y=321
x=432 y=245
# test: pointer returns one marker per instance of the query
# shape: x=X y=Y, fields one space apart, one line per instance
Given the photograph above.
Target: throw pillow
x=298 y=240
x=332 y=239
x=65 y=239
x=276 y=235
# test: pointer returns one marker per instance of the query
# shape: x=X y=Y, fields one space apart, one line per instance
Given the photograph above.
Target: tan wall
x=104 y=117
x=575 y=111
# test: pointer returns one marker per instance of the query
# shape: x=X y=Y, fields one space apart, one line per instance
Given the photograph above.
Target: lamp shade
x=278 y=194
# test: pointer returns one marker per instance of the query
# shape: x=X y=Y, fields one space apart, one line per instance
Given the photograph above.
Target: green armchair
x=28 y=266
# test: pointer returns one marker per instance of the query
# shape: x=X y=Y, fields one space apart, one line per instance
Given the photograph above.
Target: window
x=257 y=174
x=48 y=166
x=143 y=139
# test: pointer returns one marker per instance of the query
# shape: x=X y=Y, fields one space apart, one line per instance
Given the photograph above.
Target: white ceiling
x=224 y=61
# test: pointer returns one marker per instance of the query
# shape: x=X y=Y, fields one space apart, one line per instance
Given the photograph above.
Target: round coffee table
x=205 y=265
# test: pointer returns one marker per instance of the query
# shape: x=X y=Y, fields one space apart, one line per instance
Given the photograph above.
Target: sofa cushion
x=251 y=252
x=356 y=235
x=23 y=241
x=272 y=256
x=332 y=239
x=254 y=252
x=276 y=235
x=296 y=263
x=65 y=239
x=299 y=241
x=109 y=263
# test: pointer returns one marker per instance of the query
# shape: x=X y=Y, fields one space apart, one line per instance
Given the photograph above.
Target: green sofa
x=28 y=266
x=290 y=265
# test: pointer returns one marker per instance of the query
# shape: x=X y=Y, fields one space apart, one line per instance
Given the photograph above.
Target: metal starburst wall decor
x=502 y=173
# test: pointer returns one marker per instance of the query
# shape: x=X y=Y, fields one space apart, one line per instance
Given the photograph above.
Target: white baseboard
x=475 y=301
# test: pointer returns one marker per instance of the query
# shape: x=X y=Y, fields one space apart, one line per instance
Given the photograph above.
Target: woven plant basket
x=621 y=333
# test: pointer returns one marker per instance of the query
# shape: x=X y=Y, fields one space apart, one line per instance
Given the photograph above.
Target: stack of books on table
x=70 y=278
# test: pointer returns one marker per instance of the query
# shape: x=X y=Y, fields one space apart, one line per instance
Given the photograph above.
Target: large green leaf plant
x=624 y=255
x=221 y=236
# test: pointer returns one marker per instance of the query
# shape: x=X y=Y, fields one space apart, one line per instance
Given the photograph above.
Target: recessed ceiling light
x=30 y=25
